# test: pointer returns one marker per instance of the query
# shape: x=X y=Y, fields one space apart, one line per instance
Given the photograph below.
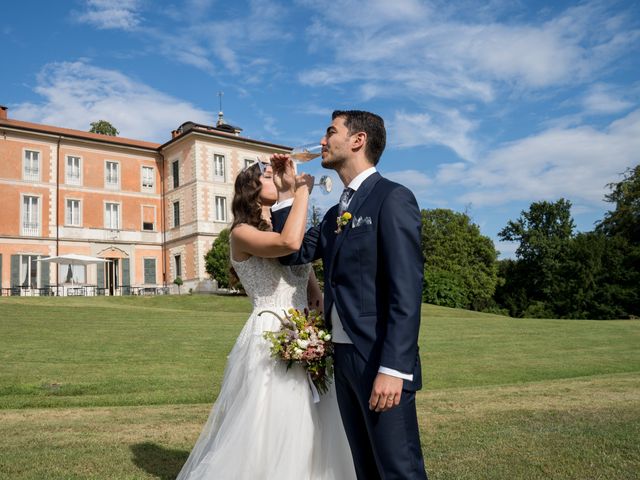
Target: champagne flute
x=304 y=153
x=325 y=183
x=307 y=152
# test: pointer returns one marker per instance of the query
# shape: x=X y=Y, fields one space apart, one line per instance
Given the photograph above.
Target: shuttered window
x=149 y=270
x=176 y=174
x=176 y=214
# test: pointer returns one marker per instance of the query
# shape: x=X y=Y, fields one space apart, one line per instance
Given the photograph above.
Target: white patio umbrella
x=74 y=259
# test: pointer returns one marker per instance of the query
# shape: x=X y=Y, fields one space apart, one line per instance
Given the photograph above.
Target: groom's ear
x=359 y=140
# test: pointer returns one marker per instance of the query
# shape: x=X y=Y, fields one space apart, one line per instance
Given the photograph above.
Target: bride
x=264 y=424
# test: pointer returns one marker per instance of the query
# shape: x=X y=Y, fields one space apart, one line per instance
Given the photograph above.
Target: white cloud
x=192 y=38
x=418 y=50
x=269 y=124
x=354 y=13
x=233 y=43
x=575 y=163
x=314 y=109
x=107 y=14
x=449 y=128
x=604 y=99
x=76 y=94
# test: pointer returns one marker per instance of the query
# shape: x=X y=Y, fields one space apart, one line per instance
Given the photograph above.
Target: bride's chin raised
x=268 y=201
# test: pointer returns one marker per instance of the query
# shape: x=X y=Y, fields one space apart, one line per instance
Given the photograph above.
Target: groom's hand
x=385 y=393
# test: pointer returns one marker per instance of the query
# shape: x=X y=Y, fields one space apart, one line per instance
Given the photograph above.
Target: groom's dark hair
x=369 y=123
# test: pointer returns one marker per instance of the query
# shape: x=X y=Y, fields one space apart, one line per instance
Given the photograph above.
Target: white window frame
x=69 y=180
x=119 y=217
x=31 y=231
x=220 y=208
x=27 y=274
x=219 y=167
x=147 y=187
x=155 y=218
x=68 y=219
x=248 y=162
x=27 y=165
x=109 y=184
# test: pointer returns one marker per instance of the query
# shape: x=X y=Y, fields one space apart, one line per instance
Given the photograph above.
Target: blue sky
x=489 y=105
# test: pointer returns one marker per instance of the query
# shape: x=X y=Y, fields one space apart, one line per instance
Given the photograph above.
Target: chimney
x=3 y=112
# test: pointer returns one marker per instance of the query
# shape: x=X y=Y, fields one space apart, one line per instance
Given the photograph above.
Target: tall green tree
x=460 y=263
x=217 y=260
x=543 y=233
x=621 y=226
x=598 y=278
x=624 y=219
x=103 y=127
x=512 y=287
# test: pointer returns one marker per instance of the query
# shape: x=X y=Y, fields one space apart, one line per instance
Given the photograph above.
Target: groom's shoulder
x=389 y=186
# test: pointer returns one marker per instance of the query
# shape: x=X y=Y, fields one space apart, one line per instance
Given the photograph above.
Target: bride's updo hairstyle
x=246 y=206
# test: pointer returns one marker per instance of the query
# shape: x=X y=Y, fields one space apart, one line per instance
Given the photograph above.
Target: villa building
x=151 y=210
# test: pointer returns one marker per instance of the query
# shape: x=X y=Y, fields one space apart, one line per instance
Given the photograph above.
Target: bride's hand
x=304 y=179
x=284 y=174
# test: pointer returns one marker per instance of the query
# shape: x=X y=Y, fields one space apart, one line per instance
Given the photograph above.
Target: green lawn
x=118 y=388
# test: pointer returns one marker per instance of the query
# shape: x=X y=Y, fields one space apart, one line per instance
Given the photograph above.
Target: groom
x=373 y=266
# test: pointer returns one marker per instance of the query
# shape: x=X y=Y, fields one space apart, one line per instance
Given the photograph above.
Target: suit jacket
x=373 y=272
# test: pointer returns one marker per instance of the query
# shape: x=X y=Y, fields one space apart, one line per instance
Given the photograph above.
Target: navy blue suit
x=373 y=273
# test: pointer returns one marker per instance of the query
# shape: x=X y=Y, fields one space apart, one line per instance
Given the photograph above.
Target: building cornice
x=77 y=135
x=226 y=137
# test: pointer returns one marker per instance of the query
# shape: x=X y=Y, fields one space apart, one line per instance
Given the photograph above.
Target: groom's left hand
x=385 y=393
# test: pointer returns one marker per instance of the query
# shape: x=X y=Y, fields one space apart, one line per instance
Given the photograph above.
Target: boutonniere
x=342 y=221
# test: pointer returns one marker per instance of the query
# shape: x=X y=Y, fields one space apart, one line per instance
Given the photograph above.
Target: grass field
x=118 y=388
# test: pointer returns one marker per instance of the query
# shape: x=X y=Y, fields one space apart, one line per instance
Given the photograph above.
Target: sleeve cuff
x=396 y=373
x=283 y=204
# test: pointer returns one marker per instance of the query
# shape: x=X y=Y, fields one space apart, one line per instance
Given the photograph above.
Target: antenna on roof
x=220 y=114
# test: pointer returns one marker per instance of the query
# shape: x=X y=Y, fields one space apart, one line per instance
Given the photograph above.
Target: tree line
x=556 y=273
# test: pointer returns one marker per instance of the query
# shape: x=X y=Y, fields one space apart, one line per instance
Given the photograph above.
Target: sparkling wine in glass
x=307 y=152
x=303 y=154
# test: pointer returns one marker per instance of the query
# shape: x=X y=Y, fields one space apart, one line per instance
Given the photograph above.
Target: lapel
x=356 y=202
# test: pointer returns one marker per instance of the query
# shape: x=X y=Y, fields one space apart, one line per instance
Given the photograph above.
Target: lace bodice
x=271 y=285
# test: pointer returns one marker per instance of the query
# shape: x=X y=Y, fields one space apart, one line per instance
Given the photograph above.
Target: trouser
x=384 y=445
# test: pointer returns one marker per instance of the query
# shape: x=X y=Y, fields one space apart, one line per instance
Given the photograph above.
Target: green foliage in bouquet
x=304 y=339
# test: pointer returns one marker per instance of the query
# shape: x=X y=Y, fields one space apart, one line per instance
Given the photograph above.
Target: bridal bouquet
x=304 y=339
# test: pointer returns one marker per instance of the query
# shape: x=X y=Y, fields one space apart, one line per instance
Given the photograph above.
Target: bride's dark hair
x=246 y=206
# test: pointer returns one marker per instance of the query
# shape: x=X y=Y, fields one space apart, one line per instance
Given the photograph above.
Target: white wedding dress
x=264 y=424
